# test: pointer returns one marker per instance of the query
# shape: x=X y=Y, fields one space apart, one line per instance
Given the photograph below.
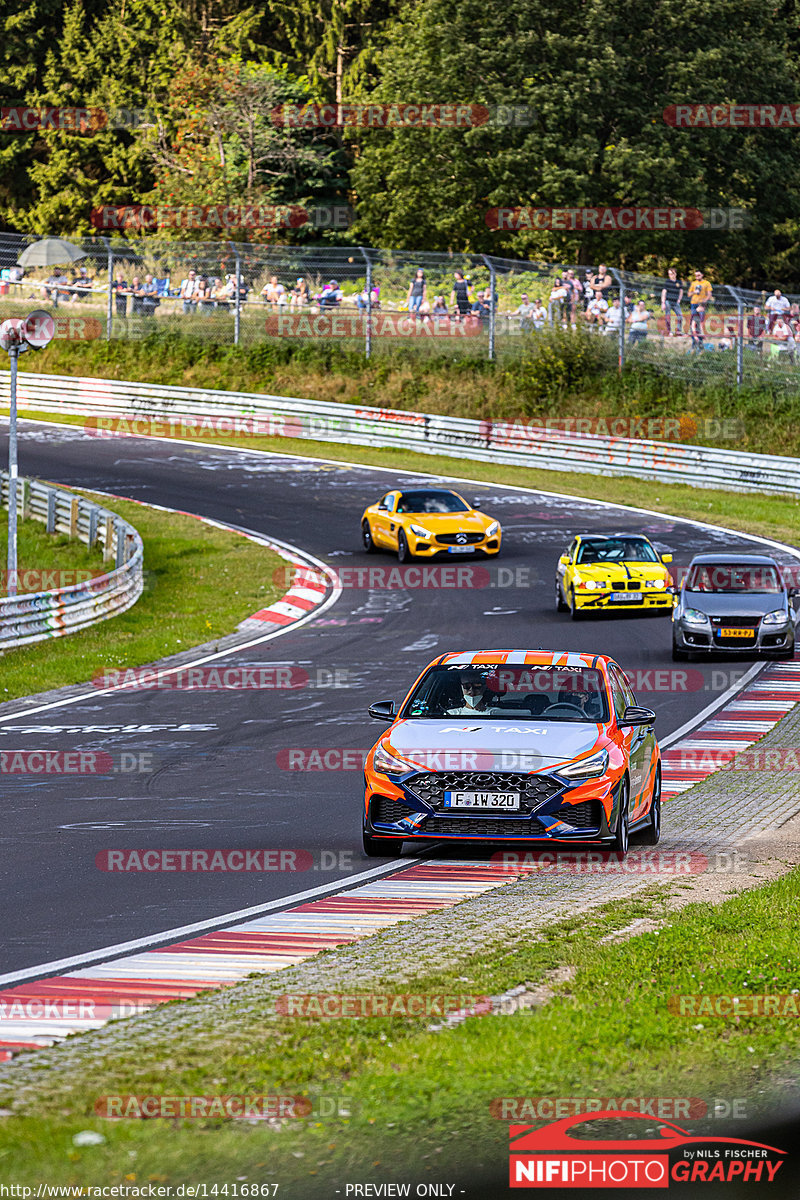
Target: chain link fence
x=377 y=301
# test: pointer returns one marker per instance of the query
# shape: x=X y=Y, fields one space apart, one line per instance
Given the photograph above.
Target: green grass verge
x=200 y=582
x=775 y=517
x=39 y=551
x=416 y=1099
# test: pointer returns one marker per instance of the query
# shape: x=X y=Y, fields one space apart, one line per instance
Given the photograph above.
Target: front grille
x=459 y=539
x=485 y=827
x=736 y=622
x=388 y=811
x=582 y=816
x=534 y=789
x=627 y=585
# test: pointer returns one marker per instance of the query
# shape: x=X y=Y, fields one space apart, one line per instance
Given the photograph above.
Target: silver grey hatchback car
x=732 y=603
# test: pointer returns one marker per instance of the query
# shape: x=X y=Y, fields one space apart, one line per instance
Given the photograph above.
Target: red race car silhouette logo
x=550 y=1157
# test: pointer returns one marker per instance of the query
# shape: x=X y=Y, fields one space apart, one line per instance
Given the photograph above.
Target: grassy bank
x=40 y=553
x=183 y=603
x=556 y=375
x=415 y=1099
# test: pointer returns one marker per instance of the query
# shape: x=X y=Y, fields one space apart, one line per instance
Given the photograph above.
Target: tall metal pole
x=621 y=281
x=110 y=306
x=13 y=353
x=492 y=278
x=237 y=311
x=739 y=335
x=368 y=330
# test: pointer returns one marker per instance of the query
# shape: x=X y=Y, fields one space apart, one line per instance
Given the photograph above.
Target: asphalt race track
x=215 y=779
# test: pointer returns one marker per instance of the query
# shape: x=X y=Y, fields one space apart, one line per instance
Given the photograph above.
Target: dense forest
x=595 y=79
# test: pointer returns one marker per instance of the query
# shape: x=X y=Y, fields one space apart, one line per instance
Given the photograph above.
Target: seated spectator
x=782 y=337
x=755 y=328
x=597 y=310
x=613 y=322
x=638 y=323
x=300 y=293
x=204 y=299
x=777 y=304
x=331 y=295
x=121 y=292
x=274 y=293
x=137 y=295
x=525 y=313
x=221 y=293
x=188 y=292
x=81 y=285
x=54 y=287
x=538 y=316
x=362 y=300
x=439 y=310
x=481 y=306
x=588 y=290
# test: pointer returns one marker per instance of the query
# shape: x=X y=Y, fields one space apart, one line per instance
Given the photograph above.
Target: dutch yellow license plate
x=738 y=633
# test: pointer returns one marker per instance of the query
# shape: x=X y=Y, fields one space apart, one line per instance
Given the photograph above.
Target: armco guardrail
x=34 y=616
x=171 y=410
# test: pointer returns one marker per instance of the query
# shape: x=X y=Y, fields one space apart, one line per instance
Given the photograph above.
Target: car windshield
x=494 y=690
x=733 y=579
x=613 y=550
x=431 y=502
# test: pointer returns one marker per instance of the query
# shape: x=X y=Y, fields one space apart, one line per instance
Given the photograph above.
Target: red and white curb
x=736 y=726
x=35 y=1014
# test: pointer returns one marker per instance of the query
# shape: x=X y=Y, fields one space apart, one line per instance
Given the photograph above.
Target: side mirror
x=665 y=558
x=564 y=559
x=382 y=710
x=634 y=715
x=794 y=591
x=476 y=503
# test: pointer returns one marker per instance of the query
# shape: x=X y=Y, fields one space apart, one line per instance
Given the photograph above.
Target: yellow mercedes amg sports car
x=428 y=523
x=608 y=572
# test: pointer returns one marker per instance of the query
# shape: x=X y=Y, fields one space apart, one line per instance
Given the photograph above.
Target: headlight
x=587 y=768
x=593 y=585
x=387 y=764
x=655 y=583
x=493 y=529
x=421 y=532
x=693 y=616
x=778 y=617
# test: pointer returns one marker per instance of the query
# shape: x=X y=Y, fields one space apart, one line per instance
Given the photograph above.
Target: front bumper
x=571 y=813
x=652 y=599
x=698 y=639
x=486 y=548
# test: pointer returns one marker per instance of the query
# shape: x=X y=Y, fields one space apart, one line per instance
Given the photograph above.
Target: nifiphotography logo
x=552 y=1157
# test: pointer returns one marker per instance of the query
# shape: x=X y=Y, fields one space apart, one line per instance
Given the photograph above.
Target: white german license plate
x=737 y=633
x=481 y=800
x=461 y=549
x=627 y=596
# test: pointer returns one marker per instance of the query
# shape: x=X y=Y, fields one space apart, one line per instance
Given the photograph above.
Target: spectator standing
x=597 y=310
x=777 y=304
x=555 y=304
x=417 y=292
x=121 y=292
x=588 y=290
x=638 y=323
x=459 y=297
x=573 y=298
x=671 y=296
x=756 y=328
x=149 y=295
x=700 y=293
x=538 y=316
x=613 y=318
x=525 y=313
x=602 y=282
x=188 y=292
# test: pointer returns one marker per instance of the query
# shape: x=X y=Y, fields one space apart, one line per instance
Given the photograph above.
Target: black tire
x=404 y=555
x=574 y=612
x=366 y=538
x=560 y=605
x=679 y=655
x=375 y=847
x=622 y=832
x=652 y=834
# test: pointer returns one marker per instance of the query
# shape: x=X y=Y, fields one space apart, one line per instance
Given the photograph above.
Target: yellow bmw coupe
x=428 y=523
x=612 y=572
